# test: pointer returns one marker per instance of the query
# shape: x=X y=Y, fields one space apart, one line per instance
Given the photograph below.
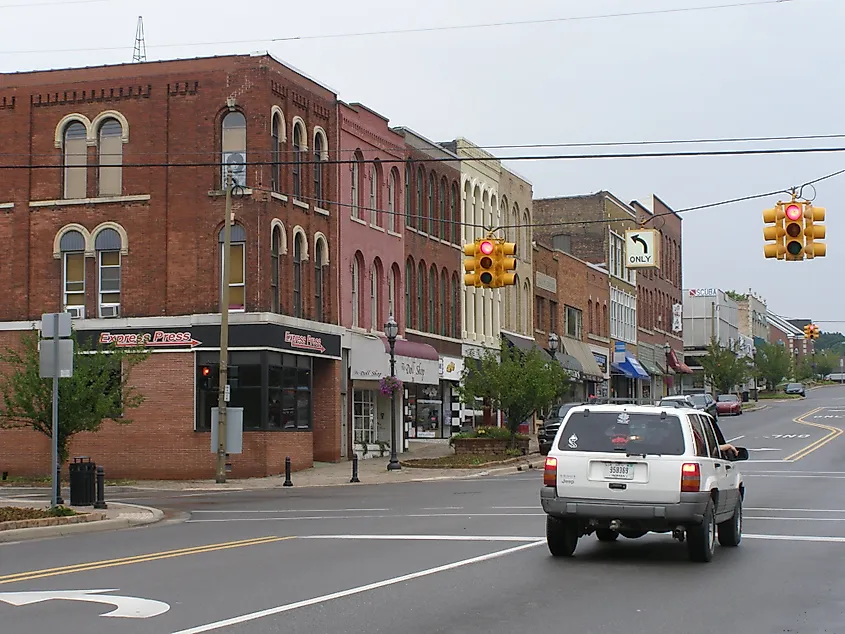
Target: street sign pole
x=57 y=494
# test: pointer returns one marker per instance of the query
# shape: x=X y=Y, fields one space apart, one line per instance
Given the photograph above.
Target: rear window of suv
x=623 y=432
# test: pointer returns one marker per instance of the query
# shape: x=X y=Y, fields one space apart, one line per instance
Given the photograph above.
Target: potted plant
x=389 y=384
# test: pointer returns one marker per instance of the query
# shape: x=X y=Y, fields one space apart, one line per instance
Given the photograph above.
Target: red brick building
x=113 y=211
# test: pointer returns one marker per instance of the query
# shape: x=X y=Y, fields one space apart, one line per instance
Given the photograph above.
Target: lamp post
x=554 y=343
x=391 y=329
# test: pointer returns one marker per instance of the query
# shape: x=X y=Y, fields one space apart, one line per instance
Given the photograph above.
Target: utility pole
x=223 y=390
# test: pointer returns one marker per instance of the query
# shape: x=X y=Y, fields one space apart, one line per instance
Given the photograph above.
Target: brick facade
x=168 y=214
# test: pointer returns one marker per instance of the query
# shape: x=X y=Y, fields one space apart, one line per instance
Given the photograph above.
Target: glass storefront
x=425 y=411
x=273 y=388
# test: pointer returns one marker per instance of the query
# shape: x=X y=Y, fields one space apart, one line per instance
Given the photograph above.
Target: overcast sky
x=772 y=69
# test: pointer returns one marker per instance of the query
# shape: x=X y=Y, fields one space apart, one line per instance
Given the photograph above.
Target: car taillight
x=690 y=477
x=550 y=472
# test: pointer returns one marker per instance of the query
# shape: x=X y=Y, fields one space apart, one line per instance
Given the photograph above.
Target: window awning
x=570 y=364
x=677 y=365
x=523 y=343
x=631 y=368
x=651 y=367
x=581 y=351
x=369 y=360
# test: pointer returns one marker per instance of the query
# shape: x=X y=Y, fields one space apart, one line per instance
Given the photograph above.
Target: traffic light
x=209 y=377
x=774 y=233
x=808 y=331
x=813 y=232
x=794 y=228
x=470 y=264
x=487 y=262
x=506 y=264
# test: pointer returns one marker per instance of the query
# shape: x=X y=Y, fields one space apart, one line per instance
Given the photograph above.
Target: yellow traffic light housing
x=814 y=232
x=506 y=264
x=808 y=331
x=471 y=264
x=774 y=233
x=794 y=228
x=487 y=262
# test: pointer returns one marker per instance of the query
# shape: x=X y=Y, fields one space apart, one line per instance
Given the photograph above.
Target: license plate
x=619 y=471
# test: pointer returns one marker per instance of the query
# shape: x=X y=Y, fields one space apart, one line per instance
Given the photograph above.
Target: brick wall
x=588 y=240
x=598 y=292
x=545 y=264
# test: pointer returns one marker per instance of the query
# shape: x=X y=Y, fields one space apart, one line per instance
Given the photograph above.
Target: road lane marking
x=297 y=511
x=252 y=616
x=763 y=509
x=798 y=538
x=737 y=438
x=787 y=475
x=360 y=517
x=137 y=559
x=796 y=519
x=436 y=538
x=834 y=432
x=781 y=471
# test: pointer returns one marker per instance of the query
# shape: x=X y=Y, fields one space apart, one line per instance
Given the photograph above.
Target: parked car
x=795 y=388
x=729 y=404
x=698 y=401
x=548 y=430
x=629 y=470
x=676 y=401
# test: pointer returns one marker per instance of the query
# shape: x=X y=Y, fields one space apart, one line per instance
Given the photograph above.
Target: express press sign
x=153 y=339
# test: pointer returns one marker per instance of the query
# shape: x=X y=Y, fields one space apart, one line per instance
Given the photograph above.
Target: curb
x=41 y=532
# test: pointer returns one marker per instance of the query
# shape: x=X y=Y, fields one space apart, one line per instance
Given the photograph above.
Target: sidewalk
x=370 y=471
x=118 y=515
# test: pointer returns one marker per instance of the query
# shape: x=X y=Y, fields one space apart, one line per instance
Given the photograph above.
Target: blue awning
x=631 y=368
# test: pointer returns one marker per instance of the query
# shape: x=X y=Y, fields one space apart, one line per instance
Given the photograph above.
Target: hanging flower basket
x=389 y=384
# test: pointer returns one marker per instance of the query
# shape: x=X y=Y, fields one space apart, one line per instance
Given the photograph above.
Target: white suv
x=629 y=470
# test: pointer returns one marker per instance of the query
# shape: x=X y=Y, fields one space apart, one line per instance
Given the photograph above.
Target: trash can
x=83 y=482
x=745 y=396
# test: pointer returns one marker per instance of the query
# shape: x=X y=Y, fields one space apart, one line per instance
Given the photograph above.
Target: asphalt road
x=455 y=556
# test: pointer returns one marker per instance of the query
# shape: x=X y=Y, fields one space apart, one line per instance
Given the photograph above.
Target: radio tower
x=140 y=52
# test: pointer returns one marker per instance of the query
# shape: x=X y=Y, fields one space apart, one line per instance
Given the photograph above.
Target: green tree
x=825 y=363
x=830 y=341
x=772 y=363
x=98 y=390
x=514 y=382
x=723 y=368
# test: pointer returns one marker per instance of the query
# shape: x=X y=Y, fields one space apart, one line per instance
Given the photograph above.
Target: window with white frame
x=298 y=166
x=72 y=246
x=363 y=417
x=107 y=245
x=391 y=292
x=319 y=181
x=297 y=275
x=623 y=315
x=391 y=201
x=356 y=186
x=356 y=303
x=75 y=160
x=237 y=268
x=617 y=262
x=374 y=186
x=572 y=319
x=110 y=141
x=375 y=282
x=234 y=148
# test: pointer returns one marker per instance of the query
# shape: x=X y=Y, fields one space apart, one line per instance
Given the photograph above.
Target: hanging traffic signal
x=774 y=233
x=813 y=232
x=487 y=262
x=470 y=264
x=808 y=331
x=794 y=228
x=506 y=264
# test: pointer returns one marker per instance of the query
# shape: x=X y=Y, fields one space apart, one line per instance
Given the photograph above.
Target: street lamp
x=391 y=329
x=554 y=343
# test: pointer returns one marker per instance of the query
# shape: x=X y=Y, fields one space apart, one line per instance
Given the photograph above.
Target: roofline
x=403 y=130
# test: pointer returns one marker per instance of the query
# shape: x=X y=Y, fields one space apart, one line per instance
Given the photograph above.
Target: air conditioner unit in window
x=76 y=312
x=112 y=310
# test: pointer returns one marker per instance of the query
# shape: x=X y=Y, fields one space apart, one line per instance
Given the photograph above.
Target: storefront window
x=425 y=403
x=273 y=388
x=363 y=417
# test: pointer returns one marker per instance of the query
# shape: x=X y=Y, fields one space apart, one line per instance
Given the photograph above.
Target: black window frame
x=297 y=276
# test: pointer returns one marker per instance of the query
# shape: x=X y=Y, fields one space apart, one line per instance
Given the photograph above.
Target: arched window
x=356 y=299
x=298 y=167
x=518 y=302
x=444 y=225
x=590 y=314
x=421 y=275
x=76 y=160
x=432 y=220
x=391 y=292
x=319 y=280
x=444 y=290
x=237 y=267
x=319 y=187
x=111 y=158
x=357 y=168
x=456 y=224
x=408 y=222
x=432 y=299
x=420 y=210
x=275 y=249
x=375 y=186
x=297 y=275
x=234 y=148
x=409 y=304
x=107 y=244
x=276 y=153
x=375 y=291
x=392 y=207
x=456 y=324
x=72 y=245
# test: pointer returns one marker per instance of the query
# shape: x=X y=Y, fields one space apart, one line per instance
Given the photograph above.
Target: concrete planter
x=489 y=446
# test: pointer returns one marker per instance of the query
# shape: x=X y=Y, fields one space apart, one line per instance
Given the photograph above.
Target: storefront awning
x=523 y=343
x=570 y=364
x=631 y=368
x=677 y=365
x=581 y=351
x=369 y=360
x=651 y=367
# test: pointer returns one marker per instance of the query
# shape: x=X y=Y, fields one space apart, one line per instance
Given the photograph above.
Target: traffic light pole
x=224 y=338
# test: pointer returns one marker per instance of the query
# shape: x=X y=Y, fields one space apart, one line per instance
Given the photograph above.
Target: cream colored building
x=515 y=203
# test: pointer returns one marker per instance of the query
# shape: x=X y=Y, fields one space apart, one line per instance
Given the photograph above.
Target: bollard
x=287 y=483
x=59 y=500
x=354 y=468
x=101 y=489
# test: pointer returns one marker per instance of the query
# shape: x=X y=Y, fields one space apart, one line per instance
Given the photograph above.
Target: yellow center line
x=137 y=559
x=834 y=432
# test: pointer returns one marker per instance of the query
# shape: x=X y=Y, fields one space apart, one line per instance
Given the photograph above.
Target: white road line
x=535 y=507
x=297 y=511
x=737 y=438
x=440 y=508
x=747 y=508
x=776 y=461
x=244 y=618
x=798 y=538
x=436 y=538
x=781 y=471
x=361 y=517
x=789 y=475
x=797 y=519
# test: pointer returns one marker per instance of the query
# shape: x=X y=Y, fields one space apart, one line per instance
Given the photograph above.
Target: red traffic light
x=486 y=247
x=793 y=212
x=206 y=371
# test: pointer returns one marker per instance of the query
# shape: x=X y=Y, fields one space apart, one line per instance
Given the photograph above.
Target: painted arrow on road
x=125 y=607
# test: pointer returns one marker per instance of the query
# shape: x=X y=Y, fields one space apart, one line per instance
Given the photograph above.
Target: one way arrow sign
x=641 y=249
x=124 y=607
